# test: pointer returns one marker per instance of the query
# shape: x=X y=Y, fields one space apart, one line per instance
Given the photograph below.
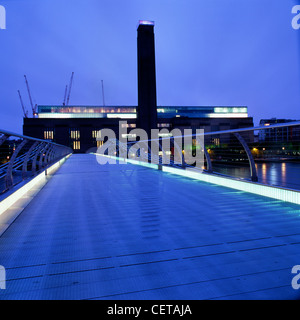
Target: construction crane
x=65 y=96
x=70 y=87
x=34 y=112
x=103 y=94
x=22 y=104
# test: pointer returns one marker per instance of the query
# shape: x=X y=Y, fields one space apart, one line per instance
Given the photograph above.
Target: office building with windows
x=78 y=126
x=280 y=134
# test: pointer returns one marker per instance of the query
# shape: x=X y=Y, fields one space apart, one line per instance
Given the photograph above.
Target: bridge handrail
x=29 y=157
x=238 y=138
x=257 y=128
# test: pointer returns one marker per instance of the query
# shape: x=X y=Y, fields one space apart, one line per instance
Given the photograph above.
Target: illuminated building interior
x=129 y=112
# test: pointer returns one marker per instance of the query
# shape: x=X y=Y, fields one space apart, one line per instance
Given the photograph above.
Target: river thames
x=282 y=174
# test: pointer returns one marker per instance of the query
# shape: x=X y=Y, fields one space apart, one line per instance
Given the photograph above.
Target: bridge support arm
x=253 y=171
x=9 y=176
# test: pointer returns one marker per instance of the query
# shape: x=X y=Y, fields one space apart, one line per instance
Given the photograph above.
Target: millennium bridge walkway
x=126 y=231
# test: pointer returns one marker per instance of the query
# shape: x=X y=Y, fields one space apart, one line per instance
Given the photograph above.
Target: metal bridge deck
x=129 y=232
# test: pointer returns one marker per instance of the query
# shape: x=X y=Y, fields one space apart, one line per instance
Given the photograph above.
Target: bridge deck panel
x=129 y=232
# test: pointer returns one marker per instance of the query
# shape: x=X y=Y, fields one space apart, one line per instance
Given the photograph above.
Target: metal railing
x=268 y=154
x=23 y=157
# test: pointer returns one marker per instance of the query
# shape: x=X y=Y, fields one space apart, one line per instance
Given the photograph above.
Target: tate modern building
x=78 y=126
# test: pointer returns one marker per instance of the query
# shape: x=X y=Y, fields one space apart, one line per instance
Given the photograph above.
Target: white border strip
x=10 y=200
x=283 y=194
x=278 y=193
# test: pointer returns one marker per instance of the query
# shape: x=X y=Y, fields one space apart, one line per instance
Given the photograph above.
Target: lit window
x=75 y=134
x=48 y=134
x=76 y=145
x=96 y=134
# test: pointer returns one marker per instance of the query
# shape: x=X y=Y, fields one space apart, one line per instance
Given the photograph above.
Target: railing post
x=47 y=154
x=40 y=148
x=207 y=156
x=24 y=167
x=9 y=176
x=43 y=154
x=253 y=172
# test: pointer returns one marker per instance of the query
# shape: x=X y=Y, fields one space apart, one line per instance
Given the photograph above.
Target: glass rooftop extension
x=129 y=112
x=202 y=112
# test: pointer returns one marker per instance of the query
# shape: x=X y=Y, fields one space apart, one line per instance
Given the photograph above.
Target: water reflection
x=285 y=174
x=264 y=172
x=273 y=175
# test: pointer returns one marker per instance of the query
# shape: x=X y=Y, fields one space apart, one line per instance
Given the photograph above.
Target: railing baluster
x=253 y=172
x=24 y=168
x=34 y=169
x=46 y=158
x=9 y=176
x=41 y=154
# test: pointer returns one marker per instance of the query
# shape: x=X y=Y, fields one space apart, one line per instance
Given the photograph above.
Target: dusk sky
x=210 y=53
